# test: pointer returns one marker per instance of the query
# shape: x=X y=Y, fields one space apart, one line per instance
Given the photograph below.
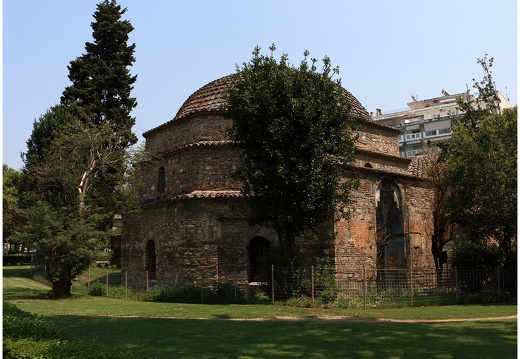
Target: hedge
x=17 y=259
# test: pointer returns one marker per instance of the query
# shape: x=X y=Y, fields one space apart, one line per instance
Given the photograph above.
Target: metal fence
x=320 y=286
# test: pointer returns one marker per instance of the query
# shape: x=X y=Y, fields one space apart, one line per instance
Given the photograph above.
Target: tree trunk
x=61 y=288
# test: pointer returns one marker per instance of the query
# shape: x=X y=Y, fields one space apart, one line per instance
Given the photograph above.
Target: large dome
x=209 y=98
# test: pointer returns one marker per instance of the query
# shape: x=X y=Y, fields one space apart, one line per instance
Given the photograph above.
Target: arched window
x=149 y=264
x=256 y=248
x=161 y=180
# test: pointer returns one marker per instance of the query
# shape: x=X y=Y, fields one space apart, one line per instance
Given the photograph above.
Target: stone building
x=192 y=220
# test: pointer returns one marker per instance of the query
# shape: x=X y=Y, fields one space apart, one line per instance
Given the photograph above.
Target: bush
x=20 y=324
x=226 y=293
x=260 y=298
x=97 y=289
x=325 y=282
x=17 y=259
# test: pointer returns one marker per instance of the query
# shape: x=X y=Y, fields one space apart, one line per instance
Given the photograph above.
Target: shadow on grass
x=192 y=338
x=16 y=271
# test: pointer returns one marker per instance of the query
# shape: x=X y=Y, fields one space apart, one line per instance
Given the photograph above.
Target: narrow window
x=257 y=247
x=161 y=180
x=150 y=264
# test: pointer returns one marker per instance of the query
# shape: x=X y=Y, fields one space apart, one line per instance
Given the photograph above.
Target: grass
x=172 y=330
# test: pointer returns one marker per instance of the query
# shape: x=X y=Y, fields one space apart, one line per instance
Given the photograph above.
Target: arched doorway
x=256 y=248
x=150 y=259
x=390 y=235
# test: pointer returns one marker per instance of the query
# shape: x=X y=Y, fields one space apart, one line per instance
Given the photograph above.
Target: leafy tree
x=481 y=174
x=481 y=171
x=294 y=127
x=12 y=214
x=77 y=158
x=45 y=129
x=63 y=241
x=442 y=229
x=101 y=79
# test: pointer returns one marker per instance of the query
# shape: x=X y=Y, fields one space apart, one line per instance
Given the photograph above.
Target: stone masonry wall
x=356 y=248
x=193 y=129
x=202 y=167
x=376 y=138
x=197 y=239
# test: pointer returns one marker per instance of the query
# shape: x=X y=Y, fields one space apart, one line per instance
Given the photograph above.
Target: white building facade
x=426 y=121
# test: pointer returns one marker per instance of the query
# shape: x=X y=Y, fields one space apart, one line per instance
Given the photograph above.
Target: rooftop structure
x=426 y=120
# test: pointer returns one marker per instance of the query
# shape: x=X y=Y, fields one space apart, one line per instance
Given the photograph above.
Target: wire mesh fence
x=314 y=286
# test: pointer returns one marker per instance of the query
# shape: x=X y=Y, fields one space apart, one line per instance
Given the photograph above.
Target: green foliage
x=469 y=253
x=97 y=289
x=294 y=127
x=101 y=79
x=325 y=282
x=481 y=172
x=64 y=242
x=28 y=335
x=20 y=324
x=290 y=277
x=12 y=216
x=45 y=130
x=76 y=178
x=222 y=293
x=17 y=259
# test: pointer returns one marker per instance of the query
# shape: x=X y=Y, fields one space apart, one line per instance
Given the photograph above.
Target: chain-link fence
x=314 y=286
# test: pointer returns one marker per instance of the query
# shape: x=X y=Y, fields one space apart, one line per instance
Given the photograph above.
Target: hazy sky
x=387 y=51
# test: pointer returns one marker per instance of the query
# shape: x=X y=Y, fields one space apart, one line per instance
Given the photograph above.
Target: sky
x=387 y=51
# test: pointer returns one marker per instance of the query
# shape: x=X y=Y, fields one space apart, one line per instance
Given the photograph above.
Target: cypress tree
x=101 y=79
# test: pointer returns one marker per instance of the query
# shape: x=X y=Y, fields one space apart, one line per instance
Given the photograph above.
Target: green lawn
x=171 y=330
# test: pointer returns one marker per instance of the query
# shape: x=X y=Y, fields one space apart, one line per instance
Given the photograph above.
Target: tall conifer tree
x=101 y=79
x=77 y=155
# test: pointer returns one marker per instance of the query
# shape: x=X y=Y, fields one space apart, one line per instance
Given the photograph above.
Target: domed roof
x=206 y=99
x=210 y=97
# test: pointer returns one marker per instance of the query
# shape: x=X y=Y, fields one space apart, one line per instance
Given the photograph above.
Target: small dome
x=209 y=98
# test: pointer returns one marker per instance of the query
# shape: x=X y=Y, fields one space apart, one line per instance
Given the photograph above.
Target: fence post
x=201 y=286
x=364 y=288
x=456 y=287
x=312 y=284
x=411 y=285
x=498 y=283
x=272 y=283
x=147 y=281
x=31 y=274
x=88 y=283
x=235 y=282
x=126 y=284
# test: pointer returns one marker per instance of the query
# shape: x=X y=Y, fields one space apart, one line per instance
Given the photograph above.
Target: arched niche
x=161 y=180
x=257 y=247
x=150 y=259
x=390 y=237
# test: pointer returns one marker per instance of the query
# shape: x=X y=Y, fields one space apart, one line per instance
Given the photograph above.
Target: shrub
x=260 y=298
x=325 y=282
x=20 y=324
x=97 y=289
x=17 y=259
x=226 y=293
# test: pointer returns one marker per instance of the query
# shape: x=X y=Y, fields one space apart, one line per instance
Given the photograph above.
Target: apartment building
x=425 y=120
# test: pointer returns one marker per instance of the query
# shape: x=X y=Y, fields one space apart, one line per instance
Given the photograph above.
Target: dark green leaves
x=294 y=127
